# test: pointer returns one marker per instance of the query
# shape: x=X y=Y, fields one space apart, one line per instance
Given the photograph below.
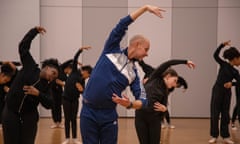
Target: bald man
x=114 y=71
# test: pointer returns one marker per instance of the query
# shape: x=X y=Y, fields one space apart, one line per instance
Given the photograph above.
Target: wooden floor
x=187 y=131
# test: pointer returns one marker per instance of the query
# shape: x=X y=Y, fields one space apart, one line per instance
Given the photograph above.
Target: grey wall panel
x=16 y=18
x=194 y=37
x=228 y=3
x=98 y=21
x=104 y=3
x=229 y=21
x=195 y=3
x=161 y=3
x=64 y=31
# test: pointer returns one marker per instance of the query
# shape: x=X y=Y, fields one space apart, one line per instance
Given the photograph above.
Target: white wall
x=63 y=21
x=16 y=18
x=229 y=22
x=194 y=38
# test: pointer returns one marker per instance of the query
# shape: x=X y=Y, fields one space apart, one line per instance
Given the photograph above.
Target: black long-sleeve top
x=148 y=69
x=56 y=89
x=71 y=93
x=226 y=72
x=66 y=64
x=156 y=88
x=63 y=76
x=28 y=75
x=2 y=93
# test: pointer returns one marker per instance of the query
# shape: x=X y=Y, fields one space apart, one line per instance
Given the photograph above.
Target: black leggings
x=57 y=109
x=19 y=129
x=1 y=109
x=220 y=105
x=70 y=113
x=148 y=128
x=167 y=117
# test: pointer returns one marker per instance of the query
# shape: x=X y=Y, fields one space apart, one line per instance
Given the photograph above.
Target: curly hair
x=231 y=53
x=7 y=70
x=51 y=63
x=87 y=68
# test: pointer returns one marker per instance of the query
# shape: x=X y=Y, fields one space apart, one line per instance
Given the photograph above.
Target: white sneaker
x=53 y=126
x=76 y=141
x=171 y=126
x=66 y=141
x=163 y=126
x=212 y=140
x=228 y=141
x=59 y=125
x=56 y=125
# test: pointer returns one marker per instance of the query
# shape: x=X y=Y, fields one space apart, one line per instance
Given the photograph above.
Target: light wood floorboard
x=187 y=131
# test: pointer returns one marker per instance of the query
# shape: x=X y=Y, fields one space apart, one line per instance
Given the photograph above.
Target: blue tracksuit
x=112 y=74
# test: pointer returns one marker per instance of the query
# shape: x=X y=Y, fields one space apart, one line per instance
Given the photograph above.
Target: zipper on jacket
x=24 y=97
x=127 y=62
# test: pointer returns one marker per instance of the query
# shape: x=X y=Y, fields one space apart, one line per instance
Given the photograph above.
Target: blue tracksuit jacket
x=113 y=72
